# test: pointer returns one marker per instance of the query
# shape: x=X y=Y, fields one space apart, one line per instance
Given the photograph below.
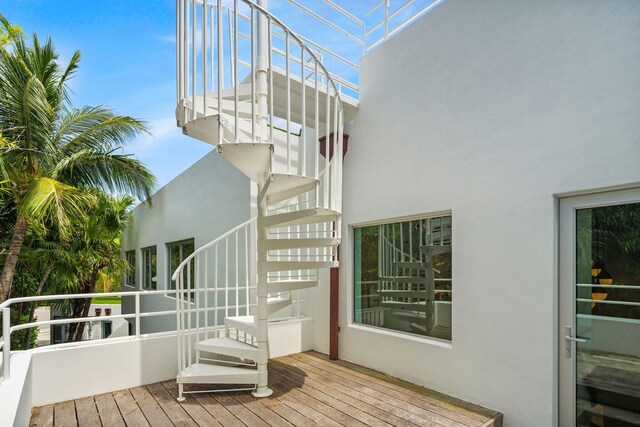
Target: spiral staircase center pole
x=261 y=100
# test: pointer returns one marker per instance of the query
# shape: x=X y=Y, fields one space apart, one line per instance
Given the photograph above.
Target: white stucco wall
x=487 y=110
x=205 y=201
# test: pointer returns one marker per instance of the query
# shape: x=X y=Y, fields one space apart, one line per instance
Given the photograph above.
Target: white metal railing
x=137 y=315
x=225 y=266
x=218 y=74
x=392 y=17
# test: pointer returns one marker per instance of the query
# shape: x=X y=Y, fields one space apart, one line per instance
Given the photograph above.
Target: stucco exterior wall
x=207 y=200
x=489 y=110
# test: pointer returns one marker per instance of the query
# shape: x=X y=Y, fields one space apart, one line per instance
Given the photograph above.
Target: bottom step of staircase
x=201 y=373
x=228 y=347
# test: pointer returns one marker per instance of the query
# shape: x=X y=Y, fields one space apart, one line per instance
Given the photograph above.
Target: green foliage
x=106 y=300
x=18 y=338
x=610 y=239
x=8 y=32
x=58 y=163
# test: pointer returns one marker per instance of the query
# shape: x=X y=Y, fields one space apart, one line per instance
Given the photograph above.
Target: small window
x=150 y=268
x=130 y=272
x=403 y=276
x=178 y=252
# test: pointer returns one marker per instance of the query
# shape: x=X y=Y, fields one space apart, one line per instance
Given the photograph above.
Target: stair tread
x=288 y=184
x=204 y=373
x=280 y=244
x=252 y=159
x=225 y=342
x=290 y=285
x=249 y=320
x=300 y=217
x=273 y=266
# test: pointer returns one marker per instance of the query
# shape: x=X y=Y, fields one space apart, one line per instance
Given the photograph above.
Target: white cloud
x=167 y=38
x=162 y=130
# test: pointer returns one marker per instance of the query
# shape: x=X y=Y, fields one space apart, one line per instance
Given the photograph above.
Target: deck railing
x=137 y=315
x=396 y=15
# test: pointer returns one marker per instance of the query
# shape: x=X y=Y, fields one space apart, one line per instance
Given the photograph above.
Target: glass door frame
x=568 y=208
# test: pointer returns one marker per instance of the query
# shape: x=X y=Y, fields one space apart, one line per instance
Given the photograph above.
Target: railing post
x=387 y=5
x=137 y=315
x=6 y=347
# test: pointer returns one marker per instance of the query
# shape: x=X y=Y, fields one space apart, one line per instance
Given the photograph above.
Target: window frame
x=354 y=267
x=180 y=244
x=145 y=252
x=130 y=276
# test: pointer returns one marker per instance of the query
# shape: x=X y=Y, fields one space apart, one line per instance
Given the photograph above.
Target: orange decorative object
x=598 y=296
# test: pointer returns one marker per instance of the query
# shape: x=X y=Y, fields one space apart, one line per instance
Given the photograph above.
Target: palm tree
x=53 y=152
x=96 y=249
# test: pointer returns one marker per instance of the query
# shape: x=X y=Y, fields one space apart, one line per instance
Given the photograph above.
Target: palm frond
x=97 y=128
x=118 y=173
x=51 y=200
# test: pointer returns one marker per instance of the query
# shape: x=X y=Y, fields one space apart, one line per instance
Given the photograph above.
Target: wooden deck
x=309 y=390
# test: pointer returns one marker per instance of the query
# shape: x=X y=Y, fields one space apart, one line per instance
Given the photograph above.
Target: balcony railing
x=137 y=315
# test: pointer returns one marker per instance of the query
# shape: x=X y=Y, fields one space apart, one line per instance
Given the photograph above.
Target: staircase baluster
x=193 y=60
x=316 y=126
x=270 y=56
x=206 y=294
x=178 y=50
x=196 y=296
x=253 y=81
x=189 y=315
x=226 y=276
x=236 y=278
x=215 y=284
x=212 y=47
x=220 y=69
x=204 y=58
x=230 y=32
x=235 y=71
x=303 y=131
x=287 y=72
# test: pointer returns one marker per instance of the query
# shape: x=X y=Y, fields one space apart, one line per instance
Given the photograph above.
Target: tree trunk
x=19 y=231
x=78 y=308
x=85 y=312
x=27 y=342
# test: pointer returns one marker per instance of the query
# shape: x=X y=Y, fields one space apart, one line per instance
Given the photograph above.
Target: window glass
x=403 y=276
x=150 y=268
x=130 y=272
x=178 y=252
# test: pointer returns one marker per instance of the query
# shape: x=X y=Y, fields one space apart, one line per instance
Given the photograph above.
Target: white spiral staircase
x=250 y=87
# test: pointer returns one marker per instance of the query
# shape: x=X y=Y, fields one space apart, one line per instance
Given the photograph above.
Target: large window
x=177 y=252
x=130 y=272
x=149 y=268
x=403 y=276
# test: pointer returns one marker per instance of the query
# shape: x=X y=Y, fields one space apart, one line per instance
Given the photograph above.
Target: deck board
x=309 y=389
x=108 y=410
x=87 y=412
x=42 y=416
x=64 y=414
x=362 y=383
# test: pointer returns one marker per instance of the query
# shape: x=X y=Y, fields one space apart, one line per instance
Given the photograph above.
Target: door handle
x=569 y=338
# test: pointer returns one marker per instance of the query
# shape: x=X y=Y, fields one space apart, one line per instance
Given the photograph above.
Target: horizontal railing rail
x=388 y=24
x=137 y=315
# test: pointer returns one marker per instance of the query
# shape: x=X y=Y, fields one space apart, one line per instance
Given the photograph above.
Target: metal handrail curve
x=188 y=259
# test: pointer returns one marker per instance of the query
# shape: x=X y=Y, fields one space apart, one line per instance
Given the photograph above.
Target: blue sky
x=128 y=61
